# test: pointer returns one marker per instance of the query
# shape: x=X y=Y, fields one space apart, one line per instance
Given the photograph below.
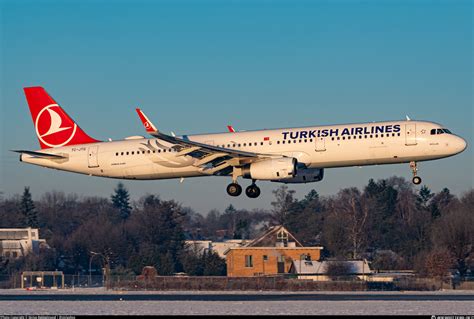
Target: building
x=272 y=253
x=318 y=270
x=18 y=242
x=220 y=248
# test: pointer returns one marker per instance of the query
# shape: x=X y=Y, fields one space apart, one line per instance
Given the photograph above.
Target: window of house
x=14 y=254
x=265 y=258
x=248 y=261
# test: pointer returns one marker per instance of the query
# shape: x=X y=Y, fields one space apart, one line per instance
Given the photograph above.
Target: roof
x=320 y=267
x=273 y=231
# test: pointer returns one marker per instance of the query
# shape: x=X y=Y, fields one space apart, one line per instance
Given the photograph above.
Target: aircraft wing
x=212 y=160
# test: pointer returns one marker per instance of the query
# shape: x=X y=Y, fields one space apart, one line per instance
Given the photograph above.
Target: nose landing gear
x=416 y=179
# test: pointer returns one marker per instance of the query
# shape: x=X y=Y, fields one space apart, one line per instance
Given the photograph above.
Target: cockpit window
x=440 y=131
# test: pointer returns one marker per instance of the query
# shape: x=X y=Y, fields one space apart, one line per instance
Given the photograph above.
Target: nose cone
x=459 y=145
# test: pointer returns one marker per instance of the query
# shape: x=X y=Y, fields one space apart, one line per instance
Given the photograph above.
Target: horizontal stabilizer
x=39 y=154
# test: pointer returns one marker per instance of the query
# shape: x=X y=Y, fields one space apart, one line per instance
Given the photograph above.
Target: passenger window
x=360 y=137
x=116 y=154
x=133 y=153
x=261 y=143
x=283 y=142
x=245 y=144
x=127 y=153
x=278 y=142
x=149 y=152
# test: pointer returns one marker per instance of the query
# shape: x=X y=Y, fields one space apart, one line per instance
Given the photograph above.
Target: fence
x=240 y=283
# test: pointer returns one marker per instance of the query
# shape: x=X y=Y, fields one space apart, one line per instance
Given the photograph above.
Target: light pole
x=93 y=254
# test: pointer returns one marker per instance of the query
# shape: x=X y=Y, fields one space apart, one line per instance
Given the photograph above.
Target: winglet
x=150 y=128
x=230 y=128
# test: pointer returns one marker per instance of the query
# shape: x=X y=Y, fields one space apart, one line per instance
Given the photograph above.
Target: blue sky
x=195 y=66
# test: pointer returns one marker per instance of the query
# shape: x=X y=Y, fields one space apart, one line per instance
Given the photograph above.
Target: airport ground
x=105 y=302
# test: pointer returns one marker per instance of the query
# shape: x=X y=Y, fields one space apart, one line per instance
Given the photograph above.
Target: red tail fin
x=53 y=126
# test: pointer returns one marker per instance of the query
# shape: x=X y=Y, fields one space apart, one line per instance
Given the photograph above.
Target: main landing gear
x=416 y=179
x=234 y=189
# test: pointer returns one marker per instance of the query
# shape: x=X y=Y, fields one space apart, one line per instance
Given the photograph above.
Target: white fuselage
x=316 y=147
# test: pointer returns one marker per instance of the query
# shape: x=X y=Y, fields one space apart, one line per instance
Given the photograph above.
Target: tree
x=121 y=201
x=424 y=196
x=213 y=264
x=338 y=269
x=27 y=207
x=440 y=203
x=455 y=231
x=282 y=204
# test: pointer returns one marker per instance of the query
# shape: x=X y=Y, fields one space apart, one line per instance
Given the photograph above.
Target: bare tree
x=352 y=206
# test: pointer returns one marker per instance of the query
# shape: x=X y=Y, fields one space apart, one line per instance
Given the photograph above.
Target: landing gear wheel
x=253 y=191
x=234 y=189
x=416 y=180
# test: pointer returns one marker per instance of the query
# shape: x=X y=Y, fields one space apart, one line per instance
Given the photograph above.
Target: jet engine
x=305 y=175
x=270 y=169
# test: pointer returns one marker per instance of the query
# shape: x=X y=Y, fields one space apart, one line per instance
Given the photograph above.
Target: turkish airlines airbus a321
x=288 y=155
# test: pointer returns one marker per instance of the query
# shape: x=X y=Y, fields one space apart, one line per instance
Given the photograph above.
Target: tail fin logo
x=49 y=128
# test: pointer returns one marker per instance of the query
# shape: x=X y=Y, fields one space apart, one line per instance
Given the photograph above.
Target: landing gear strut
x=416 y=179
x=253 y=191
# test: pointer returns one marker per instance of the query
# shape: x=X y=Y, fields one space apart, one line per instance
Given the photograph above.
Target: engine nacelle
x=305 y=175
x=270 y=169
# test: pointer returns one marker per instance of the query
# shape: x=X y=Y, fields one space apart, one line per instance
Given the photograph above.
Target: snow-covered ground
x=286 y=306
x=236 y=308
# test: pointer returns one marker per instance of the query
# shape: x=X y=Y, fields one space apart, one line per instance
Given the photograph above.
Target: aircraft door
x=320 y=144
x=410 y=134
x=92 y=156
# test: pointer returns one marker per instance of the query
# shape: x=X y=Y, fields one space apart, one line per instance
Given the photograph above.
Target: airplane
x=285 y=155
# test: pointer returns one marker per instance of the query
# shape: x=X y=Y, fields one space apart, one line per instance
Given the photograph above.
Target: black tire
x=416 y=180
x=253 y=191
x=234 y=189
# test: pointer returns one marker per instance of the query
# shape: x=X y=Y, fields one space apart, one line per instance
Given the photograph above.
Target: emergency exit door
x=92 y=157
x=410 y=134
x=320 y=144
